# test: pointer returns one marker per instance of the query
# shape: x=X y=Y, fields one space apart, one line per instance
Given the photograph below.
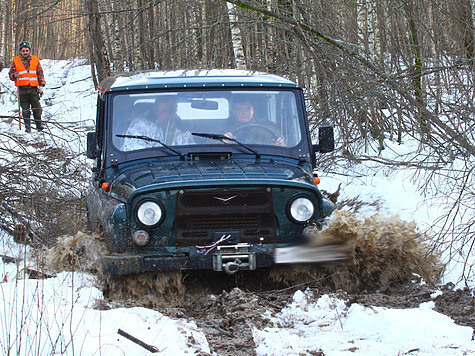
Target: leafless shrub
x=45 y=182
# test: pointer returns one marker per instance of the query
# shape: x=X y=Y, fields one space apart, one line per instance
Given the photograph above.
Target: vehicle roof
x=193 y=79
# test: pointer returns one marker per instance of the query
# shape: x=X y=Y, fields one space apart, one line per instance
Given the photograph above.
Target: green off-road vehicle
x=203 y=171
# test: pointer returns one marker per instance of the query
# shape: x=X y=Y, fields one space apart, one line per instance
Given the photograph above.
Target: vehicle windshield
x=264 y=117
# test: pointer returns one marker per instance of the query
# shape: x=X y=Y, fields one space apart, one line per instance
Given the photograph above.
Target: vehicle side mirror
x=91 y=151
x=326 y=140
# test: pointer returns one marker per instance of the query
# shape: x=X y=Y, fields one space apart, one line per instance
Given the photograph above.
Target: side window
x=122 y=113
x=289 y=121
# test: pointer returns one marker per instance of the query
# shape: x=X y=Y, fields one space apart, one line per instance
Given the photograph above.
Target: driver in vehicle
x=160 y=123
x=242 y=123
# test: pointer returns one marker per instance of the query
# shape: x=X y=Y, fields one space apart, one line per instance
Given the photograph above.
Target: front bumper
x=247 y=257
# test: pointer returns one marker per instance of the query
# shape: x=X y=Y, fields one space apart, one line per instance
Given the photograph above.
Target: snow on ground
x=57 y=316
x=329 y=326
x=62 y=315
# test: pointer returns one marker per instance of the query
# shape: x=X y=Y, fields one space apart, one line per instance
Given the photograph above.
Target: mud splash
x=150 y=290
x=82 y=252
x=387 y=251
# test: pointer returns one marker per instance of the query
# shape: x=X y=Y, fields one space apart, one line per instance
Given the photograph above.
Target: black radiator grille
x=202 y=215
x=223 y=222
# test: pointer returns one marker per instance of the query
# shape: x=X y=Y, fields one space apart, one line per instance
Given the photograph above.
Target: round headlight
x=149 y=213
x=301 y=209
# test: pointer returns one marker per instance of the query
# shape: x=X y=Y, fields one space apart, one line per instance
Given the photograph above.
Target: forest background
x=375 y=69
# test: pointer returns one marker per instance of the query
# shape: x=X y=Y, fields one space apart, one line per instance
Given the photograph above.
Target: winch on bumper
x=227 y=258
x=233 y=258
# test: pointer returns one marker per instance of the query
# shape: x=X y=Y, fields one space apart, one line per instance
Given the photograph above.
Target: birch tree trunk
x=472 y=7
x=362 y=20
x=368 y=27
x=238 y=48
x=4 y=27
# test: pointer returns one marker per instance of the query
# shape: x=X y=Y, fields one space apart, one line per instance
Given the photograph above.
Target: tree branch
x=453 y=134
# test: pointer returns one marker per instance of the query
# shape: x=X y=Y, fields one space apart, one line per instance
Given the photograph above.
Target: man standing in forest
x=27 y=73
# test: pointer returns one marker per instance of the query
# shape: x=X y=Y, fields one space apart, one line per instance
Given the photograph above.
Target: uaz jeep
x=202 y=170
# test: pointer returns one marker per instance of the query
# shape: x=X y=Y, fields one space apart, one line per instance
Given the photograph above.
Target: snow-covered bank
x=305 y=327
x=59 y=316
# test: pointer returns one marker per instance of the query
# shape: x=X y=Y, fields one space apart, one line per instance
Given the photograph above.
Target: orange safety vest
x=26 y=77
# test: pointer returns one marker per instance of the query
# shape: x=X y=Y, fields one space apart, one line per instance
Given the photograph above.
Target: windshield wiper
x=146 y=138
x=220 y=137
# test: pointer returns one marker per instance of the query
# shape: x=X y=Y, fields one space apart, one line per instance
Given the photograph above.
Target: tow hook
x=232 y=258
x=232 y=267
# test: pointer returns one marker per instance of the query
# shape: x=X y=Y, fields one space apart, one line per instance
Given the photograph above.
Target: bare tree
x=236 y=38
x=98 y=53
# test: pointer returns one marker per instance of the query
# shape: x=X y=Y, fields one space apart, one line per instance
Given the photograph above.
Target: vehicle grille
x=202 y=217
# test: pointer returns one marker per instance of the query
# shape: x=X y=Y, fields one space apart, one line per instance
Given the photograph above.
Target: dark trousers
x=30 y=98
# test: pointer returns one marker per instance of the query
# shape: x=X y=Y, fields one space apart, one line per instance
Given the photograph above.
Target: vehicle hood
x=139 y=175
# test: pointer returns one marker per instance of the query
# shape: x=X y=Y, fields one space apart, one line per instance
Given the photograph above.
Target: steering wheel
x=248 y=132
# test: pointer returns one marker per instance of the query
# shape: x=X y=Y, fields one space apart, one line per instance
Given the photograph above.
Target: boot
x=39 y=125
x=27 y=122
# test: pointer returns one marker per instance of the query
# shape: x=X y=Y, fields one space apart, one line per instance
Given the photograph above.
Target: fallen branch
x=147 y=347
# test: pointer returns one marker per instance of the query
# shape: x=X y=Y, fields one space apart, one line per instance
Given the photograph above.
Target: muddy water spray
x=147 y=289
x=386 y=250
x=82 y=252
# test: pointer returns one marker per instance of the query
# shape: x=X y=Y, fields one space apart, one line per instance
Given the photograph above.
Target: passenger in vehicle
x=243 y=124
x=160 y=123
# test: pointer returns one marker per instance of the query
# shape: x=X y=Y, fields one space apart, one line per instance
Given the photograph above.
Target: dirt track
x=227 y=319
x=226 y=311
